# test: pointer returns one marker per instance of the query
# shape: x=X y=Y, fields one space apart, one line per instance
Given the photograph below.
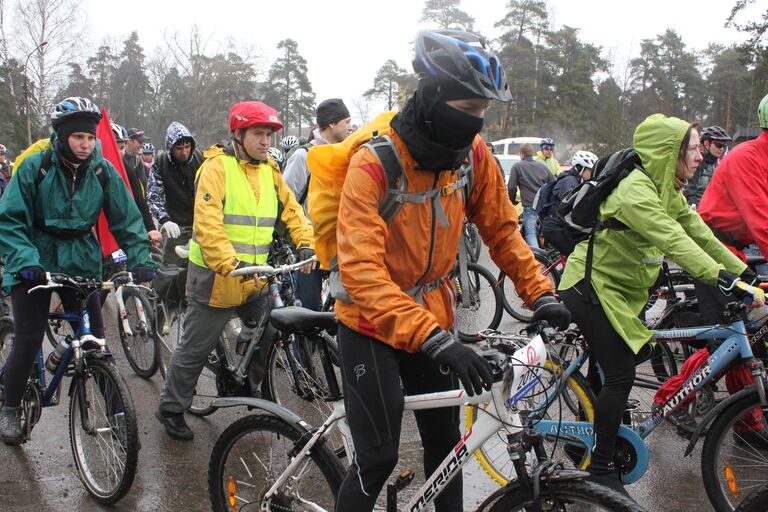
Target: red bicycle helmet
x=252 y=113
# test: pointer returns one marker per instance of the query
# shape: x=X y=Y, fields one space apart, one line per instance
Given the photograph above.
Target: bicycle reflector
x=231 y=493
x=730 y=478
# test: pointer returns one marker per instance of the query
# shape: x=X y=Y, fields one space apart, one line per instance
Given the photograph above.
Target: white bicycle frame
x=497 y=416
x=122 y=311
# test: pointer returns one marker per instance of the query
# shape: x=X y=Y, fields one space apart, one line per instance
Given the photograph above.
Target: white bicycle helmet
x=276 y=155
x=74 y=107
x=289 y=142
x=121 y=134
x=585 y=159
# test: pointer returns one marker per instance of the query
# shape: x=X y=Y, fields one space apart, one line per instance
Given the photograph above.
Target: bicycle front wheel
x=142 y=348
x=103 y=431
x=484 y=302
x=574 y=403
x=512 y=302
x=565 y=495
x=734 y=459
x=252 y=452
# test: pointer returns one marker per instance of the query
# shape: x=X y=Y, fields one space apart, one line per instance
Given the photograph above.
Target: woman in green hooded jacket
x=627 y=262
x=46 y=221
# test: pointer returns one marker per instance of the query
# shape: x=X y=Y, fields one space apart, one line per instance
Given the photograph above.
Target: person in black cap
x=333 y=121
x=136 y=139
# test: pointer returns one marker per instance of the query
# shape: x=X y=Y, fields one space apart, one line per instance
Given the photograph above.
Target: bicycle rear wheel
x=573 y=495
x=512 y=302
x=142 y=348
x=484 y=308
x=103 y=431
x=252 y=452
x=755 y=502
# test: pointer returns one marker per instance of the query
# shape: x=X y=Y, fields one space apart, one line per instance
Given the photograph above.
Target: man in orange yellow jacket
x=239 y=197
x=386 y=336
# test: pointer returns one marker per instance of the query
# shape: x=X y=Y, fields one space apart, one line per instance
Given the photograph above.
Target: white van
x=508 y=150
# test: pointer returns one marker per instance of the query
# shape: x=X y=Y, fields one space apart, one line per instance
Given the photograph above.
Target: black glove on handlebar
x=549 y=308
x=32 y=275
x=304 y=254
x=474 y=372
x=749 y=277
x=142 y=274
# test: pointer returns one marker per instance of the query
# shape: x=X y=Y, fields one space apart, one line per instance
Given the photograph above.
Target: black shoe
x=752 y=439
x=607 y=476
x=11 y=431
x=176 y=426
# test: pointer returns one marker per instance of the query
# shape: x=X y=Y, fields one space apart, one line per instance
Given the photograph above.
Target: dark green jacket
x=59 y=203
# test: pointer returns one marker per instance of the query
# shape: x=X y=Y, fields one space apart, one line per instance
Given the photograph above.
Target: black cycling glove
x=142 y=274
x=474 y=372
x=32 y=275
x=304 y=254
x=749 y=277
x=549 y=308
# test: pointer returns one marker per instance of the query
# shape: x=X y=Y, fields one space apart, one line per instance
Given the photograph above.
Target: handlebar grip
x=249 y=271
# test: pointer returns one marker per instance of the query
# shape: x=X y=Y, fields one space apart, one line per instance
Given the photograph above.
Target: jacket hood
x=657 y=140
x=176 y=132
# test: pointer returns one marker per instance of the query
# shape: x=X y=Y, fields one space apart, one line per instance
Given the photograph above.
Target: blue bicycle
x=102 y=419
x=735 y=452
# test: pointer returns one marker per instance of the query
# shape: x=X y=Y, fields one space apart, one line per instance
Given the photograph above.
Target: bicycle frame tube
x=124 y=314
x=735 y=348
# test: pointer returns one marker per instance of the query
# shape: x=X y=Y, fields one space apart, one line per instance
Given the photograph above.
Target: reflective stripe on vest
x=249 y=224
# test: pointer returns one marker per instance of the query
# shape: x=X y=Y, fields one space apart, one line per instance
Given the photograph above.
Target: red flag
x=109 y=152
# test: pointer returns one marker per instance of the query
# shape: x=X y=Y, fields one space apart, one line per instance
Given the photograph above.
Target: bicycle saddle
x=293 y=319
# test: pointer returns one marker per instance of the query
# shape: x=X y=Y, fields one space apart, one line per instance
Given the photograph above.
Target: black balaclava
x=437 y=135
x=67 y=128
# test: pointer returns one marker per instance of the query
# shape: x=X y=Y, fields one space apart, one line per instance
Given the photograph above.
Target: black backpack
x=581 y=207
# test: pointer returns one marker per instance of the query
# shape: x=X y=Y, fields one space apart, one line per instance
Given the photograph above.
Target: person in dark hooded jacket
x=172 y=188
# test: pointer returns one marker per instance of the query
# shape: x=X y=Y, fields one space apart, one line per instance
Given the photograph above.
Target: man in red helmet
x=239 y=197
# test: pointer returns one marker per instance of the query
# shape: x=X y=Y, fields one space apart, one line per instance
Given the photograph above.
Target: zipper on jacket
x=431 y=234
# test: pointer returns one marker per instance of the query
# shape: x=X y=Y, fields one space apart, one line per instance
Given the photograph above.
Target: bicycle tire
x=493 y=456
x=512 y=302
x=756 y=501
x=167 y=342
x=142 y=350
x=592 y=496
x=6 y=339
x=57 y=329
x=472 y=242
x=476 y=317
x=300 y=388
x=722 y=443
x=273 y=436
x=113 y=418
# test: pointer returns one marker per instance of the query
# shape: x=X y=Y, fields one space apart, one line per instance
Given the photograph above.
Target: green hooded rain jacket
x=626 y=263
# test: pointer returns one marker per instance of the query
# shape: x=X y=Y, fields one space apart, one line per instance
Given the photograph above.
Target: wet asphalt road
x=40 y=475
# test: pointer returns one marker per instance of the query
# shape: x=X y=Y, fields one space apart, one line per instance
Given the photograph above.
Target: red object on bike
x=736 y=379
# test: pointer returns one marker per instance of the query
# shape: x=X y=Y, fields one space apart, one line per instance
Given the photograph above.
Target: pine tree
x=385 y=84
x=289 y=89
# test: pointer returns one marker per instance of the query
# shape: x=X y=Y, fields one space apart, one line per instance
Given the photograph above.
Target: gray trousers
x=203 y=326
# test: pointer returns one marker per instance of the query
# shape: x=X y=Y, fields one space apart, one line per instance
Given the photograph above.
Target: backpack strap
x=45 y=166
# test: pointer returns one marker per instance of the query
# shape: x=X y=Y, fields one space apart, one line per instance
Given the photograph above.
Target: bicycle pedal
x=403 y=479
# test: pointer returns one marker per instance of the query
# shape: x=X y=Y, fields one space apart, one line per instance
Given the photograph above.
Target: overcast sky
x=346 y=41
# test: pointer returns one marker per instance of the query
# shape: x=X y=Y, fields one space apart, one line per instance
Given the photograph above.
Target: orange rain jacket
x=378 y=260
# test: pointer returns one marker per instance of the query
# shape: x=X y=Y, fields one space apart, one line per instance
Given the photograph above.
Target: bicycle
x=721 y=472
x=755 y=502
x=136 y=326
x=479 y=301
x=102 y=420
x=226 y=374
x=470 y=237
x=274 y=460
x=552 y=265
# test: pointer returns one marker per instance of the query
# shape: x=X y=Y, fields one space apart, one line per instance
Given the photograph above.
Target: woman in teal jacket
x=627 y=262
x=46 y=225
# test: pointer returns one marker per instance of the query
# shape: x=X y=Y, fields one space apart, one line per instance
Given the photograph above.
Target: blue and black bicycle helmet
x=461 y=59
x=72 y=108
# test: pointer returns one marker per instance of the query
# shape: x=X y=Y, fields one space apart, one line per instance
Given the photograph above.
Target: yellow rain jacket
x=210 y=283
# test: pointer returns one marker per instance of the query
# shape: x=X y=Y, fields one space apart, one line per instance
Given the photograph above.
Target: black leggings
x=372 y=372
x=617 y=362
x=30 y=314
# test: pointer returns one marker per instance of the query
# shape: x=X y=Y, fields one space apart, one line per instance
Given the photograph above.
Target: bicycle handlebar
x=58 y=280
x=269 y=271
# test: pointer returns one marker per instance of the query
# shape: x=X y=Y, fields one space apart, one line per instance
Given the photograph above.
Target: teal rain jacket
x=56 y=203
x=626 y=263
